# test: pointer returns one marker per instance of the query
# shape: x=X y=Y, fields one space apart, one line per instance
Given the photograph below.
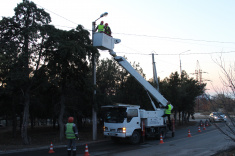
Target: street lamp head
x=104 y=14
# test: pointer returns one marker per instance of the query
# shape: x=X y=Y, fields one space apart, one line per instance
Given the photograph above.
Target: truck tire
x=135 y=138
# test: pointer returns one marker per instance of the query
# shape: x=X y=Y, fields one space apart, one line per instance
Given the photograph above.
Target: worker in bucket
x=100 y=27
x=71 y=133
x=167 y=114
x=107 y=29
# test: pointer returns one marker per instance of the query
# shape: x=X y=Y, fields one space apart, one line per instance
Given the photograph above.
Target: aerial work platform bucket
x=104 y=42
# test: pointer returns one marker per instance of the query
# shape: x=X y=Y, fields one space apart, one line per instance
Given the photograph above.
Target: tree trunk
x=79 y=121
x=61 y=115
x=188 y=116
x=183 y=117
x=54 y=122
x=14 y=120
x=179 y=117
x=32 y=121
x=175 y=116
x=24 y=132
x=6 y=118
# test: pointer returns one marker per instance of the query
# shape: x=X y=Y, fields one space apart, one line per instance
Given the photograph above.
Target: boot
x=69 y=152
x=74 y=153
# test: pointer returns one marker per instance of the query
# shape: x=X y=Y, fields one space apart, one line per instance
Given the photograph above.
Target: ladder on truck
x=105 y=42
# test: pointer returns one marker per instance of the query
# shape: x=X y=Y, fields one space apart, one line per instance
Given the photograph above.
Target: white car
x=217 y=116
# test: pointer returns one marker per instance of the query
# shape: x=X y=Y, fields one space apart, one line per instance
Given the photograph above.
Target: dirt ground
x=41 y=136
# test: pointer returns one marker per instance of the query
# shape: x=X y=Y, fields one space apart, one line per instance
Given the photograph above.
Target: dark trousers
x=169 y=119
x=71 y=145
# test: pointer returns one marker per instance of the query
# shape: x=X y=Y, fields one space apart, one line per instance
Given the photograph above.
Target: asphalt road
x=206 y=142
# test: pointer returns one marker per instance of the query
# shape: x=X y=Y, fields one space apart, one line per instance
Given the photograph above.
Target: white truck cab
x=121 y=120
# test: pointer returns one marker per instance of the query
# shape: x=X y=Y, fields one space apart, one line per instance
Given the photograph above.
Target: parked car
x=217 y=116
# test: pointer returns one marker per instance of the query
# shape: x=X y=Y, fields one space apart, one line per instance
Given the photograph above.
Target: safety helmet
x=106 y=23
x=102 y=22
x=70 y=119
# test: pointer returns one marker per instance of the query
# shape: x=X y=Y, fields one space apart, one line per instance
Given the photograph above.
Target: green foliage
x=67 y=67
x=182 y=92
x=39 y=64
x=111 y=79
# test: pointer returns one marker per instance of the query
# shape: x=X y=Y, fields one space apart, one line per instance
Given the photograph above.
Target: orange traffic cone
x=199 y=130
x=86 y=151
x=189 y=134
x=161 y=140
x=51 y=149
x=204 y=128
x=207 y=123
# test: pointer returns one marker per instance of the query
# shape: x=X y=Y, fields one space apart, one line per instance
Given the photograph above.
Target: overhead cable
x=172 y=38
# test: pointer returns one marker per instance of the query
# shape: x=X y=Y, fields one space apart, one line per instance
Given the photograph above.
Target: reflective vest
x=69 y=131
x=107 y=30
x=168 y=111
x=100 y=28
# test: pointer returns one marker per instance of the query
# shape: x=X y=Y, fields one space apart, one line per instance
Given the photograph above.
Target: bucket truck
x=130 y=121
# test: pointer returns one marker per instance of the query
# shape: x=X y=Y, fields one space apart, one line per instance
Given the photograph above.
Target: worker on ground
x=107 y=29
x=100 y=27
x=168 y=113
x=71 y=133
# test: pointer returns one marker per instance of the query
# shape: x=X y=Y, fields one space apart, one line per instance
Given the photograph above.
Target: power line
x=175 y=38
x=172 y=38
x=181 y=54
x=210 y=53
x=57 y=14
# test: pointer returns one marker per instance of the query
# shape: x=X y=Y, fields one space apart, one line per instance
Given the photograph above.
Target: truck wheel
x=135 y=138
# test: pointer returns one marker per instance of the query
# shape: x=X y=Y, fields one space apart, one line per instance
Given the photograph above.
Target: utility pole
x=198 y=73
x=94 y=106
x=180 y=61
x=155 y=79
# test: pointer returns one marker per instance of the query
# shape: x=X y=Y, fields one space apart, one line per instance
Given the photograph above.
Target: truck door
x=133 y=120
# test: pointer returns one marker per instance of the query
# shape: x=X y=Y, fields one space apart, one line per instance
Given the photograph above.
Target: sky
x=196 y=32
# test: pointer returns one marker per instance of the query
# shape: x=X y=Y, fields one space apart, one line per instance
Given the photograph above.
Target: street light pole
x=94 y=106
x=94 y=114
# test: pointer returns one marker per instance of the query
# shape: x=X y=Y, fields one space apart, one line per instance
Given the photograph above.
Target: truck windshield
x=114 y=115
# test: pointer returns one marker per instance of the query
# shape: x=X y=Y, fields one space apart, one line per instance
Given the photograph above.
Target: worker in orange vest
x=71 y=133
